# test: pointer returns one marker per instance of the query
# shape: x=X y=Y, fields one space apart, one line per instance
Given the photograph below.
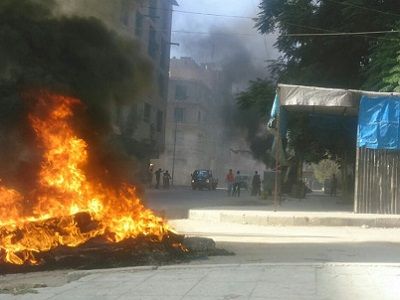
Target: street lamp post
x=174 y=153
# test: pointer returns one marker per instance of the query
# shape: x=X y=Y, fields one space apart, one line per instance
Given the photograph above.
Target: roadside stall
x=374 y=119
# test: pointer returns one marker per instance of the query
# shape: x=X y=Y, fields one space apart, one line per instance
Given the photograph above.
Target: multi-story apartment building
x=148 y=22
x=197 y=133
x=192 y=121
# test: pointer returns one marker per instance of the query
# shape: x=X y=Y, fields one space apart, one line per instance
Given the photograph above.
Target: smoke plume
x=76 y=56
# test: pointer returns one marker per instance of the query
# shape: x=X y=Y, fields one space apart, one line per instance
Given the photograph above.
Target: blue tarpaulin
x=278 y=111
x=379 y=123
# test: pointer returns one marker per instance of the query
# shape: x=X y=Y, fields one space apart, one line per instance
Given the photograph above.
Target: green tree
x=331 y=61
x=383 y=72
x=254 y=104
x=335 y=61
x=324 y=170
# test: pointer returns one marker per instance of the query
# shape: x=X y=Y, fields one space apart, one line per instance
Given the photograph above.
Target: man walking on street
x=230 y=180
x=158 y=178
x=256 y=185
x=236 y=187
x=166 y=179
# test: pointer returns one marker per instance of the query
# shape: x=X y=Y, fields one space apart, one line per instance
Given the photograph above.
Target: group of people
x=234 y=184
x=166 y=178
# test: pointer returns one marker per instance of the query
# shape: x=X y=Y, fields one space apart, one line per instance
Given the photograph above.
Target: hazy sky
x=261 y=47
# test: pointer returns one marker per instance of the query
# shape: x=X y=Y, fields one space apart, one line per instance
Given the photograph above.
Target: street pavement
x=177 y=203
x=224 y=282
x=270 y=262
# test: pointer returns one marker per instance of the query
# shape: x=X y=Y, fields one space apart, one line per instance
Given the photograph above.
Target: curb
x=269 y=218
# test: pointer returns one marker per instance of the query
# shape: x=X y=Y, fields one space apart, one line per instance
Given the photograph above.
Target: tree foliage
x=331 y=61
x=383 y=73
x=325 y=169
x=254 y=103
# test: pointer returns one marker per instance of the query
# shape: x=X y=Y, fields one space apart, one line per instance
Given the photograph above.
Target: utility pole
x=173 y=155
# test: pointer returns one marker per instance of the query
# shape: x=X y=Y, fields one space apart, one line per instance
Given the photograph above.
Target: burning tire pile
x=76 y=222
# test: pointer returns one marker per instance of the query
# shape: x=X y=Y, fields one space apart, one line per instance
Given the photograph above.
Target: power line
x=364 y=8
x=329 y=32
x=200 y=13
x=214 y=33
x=342 y=33
x=212 y=15
x=333 y=34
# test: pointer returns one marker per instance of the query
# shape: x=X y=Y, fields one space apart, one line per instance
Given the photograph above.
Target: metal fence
x=377 y=181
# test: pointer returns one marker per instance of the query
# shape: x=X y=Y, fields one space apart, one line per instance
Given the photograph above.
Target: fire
x=64 y=193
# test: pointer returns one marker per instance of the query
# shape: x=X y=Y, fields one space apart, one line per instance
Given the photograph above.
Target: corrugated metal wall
x=377 y=188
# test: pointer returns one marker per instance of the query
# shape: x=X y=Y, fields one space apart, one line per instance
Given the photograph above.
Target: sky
x=260 y=46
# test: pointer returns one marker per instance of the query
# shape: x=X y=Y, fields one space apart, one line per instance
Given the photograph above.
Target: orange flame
x=63 y=191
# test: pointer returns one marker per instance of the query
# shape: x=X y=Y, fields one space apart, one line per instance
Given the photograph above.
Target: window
x=139 y=24
x=161 y=85
x=180 y=92
x=180 y=137
x=147 y=113
x=125 y=14
x=179 y=114
x=159 y=121
x=153 y=9
x=164 y=54
x=152 y=47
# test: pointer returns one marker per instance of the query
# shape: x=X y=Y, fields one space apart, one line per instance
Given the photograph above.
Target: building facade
x=192 y=121
x=148 y=22
x=197 y=133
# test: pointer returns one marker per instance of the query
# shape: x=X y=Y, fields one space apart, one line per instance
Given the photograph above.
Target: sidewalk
x=224 y=282
x=315 y=210
x=261 y=216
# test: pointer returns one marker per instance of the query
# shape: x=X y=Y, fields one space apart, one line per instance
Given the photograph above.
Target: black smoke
x=240 y=63
x=76 y=56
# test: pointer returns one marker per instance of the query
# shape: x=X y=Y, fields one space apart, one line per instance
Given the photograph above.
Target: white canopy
x=323 y=100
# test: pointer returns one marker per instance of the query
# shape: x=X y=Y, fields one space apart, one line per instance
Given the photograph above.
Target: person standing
x=166 y=179
x=256 y=185
x=236 y=187
x=230 y=180
x=158 y=178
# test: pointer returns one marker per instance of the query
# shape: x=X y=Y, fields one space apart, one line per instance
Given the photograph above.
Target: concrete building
x=191 y=120
x=197 y=134
x=148 y=22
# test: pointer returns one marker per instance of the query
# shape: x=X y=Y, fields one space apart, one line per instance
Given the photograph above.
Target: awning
x=324 y=100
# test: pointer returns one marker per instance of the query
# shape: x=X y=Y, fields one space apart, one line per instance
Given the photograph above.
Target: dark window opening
x=159 y=121
x=161 y=86
x=180 y=92
x=153 y=46
x=179 y=114
x=139 y=24
x=153 y=9
x=147 y=113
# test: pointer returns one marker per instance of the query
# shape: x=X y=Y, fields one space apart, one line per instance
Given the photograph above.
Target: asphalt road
x=175 y=203
x=261 y=244
x=269 y=262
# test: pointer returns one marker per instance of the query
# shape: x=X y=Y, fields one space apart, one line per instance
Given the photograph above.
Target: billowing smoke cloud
x=242 y=58
x=231 y=50
x=76 y=56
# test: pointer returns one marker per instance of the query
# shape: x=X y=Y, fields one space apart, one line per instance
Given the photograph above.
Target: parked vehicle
x=203 y=179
